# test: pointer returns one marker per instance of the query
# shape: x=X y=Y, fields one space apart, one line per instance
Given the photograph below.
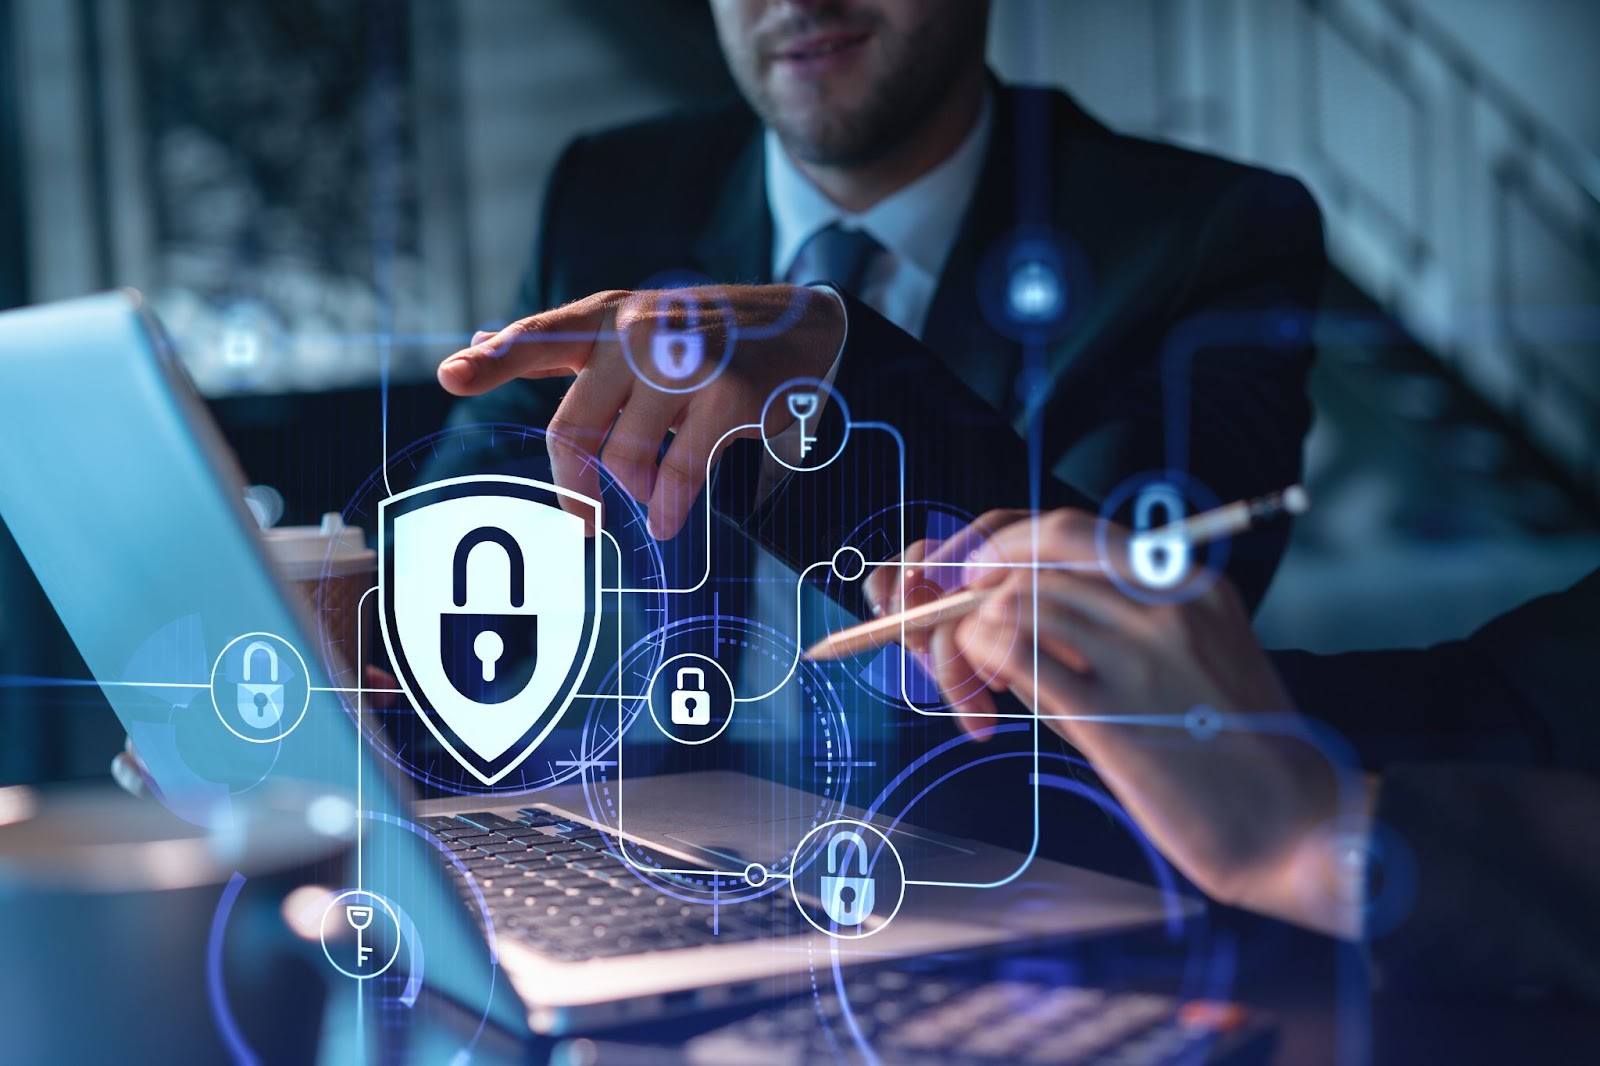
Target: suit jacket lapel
x=736 y=245
x=957 y=328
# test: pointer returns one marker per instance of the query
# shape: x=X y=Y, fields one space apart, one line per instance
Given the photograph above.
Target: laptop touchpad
x=732 y=847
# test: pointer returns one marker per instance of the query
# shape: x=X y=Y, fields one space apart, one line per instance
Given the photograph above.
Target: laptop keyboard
x=560 y=887
x=908 y=1018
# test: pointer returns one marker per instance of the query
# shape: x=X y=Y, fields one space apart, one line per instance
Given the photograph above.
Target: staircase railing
x=1449 y=200
x=1468 y=215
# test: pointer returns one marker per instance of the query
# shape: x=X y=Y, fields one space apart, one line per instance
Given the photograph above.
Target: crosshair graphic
x=814 y=758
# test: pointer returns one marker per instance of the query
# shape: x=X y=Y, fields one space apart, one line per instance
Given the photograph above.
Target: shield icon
x=490 y=599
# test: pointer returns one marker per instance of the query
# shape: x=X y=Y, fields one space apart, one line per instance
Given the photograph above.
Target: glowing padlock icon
x=1157 y=553
x=691 y=706
x=260 y=702
x=848 y=899
x=678 y=352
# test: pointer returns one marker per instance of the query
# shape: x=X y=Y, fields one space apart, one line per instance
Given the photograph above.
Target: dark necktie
x=835 y=254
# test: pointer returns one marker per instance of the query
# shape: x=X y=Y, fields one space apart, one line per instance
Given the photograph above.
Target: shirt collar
x=917 y=223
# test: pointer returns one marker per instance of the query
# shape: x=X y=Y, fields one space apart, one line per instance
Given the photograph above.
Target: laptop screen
x=123 y=498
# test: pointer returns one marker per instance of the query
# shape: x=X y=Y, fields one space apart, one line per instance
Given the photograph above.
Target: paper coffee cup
x=332 y=568
x=129 y=936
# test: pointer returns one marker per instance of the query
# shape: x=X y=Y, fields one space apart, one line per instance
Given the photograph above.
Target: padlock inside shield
x=489 y=657
x=513 y=668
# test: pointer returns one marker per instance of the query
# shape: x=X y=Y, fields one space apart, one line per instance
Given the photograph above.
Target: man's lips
x=819 y=46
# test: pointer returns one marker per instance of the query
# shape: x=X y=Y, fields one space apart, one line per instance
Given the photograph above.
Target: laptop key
x=585 y=833
x=438 y=822
x=562 y=847
x=469 y=834
x=530 y=862
x=488 y=821
x=556 y=866
x=501 y=847
x=472 y=858
x=524 y=835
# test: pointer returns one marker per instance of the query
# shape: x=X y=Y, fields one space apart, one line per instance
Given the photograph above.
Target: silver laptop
x=126 y=501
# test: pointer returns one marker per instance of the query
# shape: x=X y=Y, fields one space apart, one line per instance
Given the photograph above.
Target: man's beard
x=917 y=74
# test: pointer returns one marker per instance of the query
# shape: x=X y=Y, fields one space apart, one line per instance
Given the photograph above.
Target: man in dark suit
x=876 y=153
x=880 y=148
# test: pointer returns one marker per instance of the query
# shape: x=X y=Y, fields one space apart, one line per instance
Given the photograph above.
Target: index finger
x=550 y=344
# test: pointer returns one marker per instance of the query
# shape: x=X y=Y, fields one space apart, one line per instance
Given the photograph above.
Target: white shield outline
x=487 y=771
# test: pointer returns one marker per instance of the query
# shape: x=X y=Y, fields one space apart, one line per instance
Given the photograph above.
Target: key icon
x=803 y=405
x=359 y=918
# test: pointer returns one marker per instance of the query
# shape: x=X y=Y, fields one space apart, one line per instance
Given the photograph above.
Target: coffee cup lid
x=308 y=553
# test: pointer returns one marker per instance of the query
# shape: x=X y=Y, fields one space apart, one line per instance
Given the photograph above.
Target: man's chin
x=833 y=139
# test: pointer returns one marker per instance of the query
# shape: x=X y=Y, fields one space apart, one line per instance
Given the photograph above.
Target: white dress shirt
x=916 y=225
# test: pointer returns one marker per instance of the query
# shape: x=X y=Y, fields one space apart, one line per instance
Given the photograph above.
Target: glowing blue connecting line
x=1182 y=345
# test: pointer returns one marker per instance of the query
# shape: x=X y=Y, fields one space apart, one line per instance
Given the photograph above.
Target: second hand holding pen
x=1197 y=529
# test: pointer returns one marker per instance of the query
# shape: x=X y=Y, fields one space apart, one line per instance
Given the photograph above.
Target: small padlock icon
x=677 y=352
x=241 y=347
x=848 y=900
x=691 y=706
x=489 y=657
x=260 y=704
x=1158 y=556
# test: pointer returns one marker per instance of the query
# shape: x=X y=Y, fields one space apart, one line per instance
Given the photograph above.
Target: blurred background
x=321 y=194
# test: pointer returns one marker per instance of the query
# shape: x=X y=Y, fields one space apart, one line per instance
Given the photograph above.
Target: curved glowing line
x=221 y=1013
